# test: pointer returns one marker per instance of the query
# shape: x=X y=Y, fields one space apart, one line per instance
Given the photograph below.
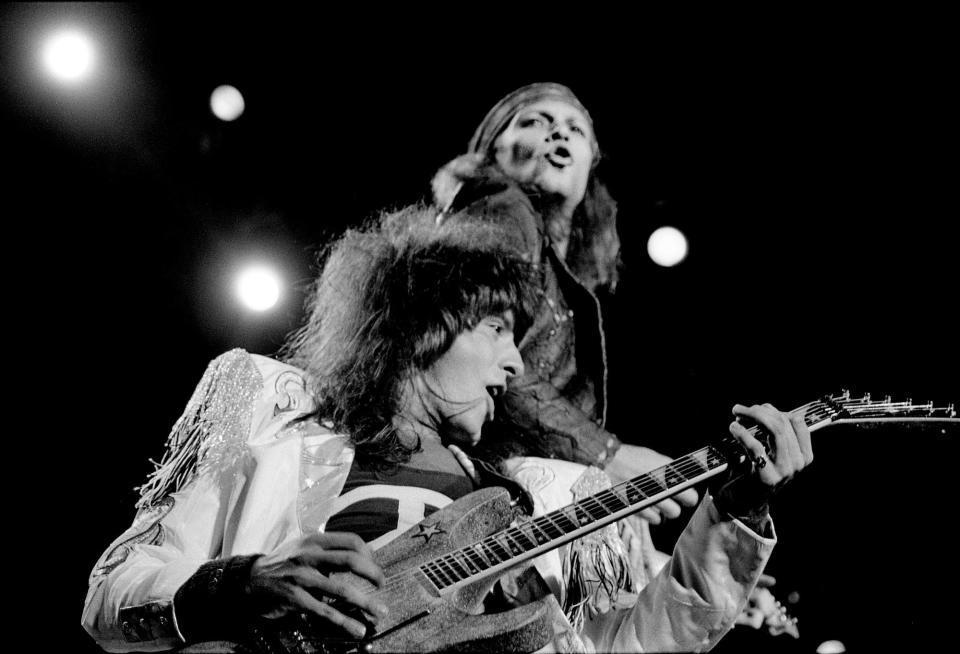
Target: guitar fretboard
x=553 y=529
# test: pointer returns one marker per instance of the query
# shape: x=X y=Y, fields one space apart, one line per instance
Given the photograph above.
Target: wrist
x=747 y=500
x=208 y=606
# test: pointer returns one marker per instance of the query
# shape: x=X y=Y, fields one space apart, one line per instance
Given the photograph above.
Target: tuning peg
x=846 y=393
x=887 y=399
x=866 y=397
x=950 y=410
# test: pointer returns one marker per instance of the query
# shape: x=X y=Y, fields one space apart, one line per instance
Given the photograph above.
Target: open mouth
x=559 y=158
x=495 y=393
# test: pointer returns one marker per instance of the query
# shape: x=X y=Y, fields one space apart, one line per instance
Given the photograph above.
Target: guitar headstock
x=844 y=408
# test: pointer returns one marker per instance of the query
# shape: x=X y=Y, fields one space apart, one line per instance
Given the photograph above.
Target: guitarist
x=409 y=343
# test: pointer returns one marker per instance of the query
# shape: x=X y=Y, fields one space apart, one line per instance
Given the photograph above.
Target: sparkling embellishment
x=212 y=432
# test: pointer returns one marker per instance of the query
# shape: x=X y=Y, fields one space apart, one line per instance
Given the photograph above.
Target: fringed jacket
x=243 y=476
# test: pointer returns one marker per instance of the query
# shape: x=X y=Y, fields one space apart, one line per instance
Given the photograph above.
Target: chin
x=465 y=434
x=560 y=188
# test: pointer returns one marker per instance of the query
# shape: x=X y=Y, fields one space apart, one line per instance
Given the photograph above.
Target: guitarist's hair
x=391 y=298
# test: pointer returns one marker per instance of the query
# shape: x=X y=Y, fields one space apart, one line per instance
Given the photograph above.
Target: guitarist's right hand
x=294 y=579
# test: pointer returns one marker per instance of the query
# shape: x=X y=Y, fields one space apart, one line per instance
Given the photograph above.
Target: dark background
x=806 y=157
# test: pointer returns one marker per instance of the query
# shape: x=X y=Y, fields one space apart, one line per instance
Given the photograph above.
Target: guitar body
x=421 y=618
x=431 y=622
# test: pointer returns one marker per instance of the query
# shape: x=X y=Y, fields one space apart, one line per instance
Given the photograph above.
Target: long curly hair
x=390 y=300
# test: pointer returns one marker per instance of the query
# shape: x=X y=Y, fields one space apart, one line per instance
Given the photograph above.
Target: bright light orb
x=831 y=647
x=226 y=103
x=68 y=55
x=258 y=288
x=667 y=246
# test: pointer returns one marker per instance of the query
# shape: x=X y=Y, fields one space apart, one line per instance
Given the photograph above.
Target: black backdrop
x=805 y=158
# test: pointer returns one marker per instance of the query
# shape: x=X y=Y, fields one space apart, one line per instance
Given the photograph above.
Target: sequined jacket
x=559 y=404
x=243 y=476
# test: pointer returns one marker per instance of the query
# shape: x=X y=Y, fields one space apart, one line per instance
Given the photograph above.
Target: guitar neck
x=535 y=536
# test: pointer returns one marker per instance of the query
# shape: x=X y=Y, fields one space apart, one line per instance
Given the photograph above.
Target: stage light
x=68 y=56
x=226 y=102
x=258 y=288
x=667 y=246
x=831 y=647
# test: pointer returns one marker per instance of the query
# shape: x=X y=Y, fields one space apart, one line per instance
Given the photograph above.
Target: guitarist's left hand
x=790 y=451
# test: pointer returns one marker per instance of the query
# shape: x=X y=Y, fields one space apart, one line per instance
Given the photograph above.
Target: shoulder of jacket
x=236 y=393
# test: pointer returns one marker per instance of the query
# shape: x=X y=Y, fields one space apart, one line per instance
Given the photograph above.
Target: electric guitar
x=440 y=570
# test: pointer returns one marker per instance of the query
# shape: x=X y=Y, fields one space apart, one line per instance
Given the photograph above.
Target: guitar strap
x=489 y=477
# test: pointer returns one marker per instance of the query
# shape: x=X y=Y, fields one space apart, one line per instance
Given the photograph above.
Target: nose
x=511 y=361
x=559 y=132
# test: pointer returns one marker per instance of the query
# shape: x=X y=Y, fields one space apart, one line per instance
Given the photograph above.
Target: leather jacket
x=557 y=409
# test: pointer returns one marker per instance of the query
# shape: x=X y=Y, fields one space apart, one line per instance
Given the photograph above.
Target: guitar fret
x=673 y=476
x=633 y=492
x=493 y=545
x=431 y=568
x=621 y=495
x=524 y=531
x=513 y=546
x=715 y=458
x=541 y=530
x=527 y=528
x=655 y=482
x=608 y=499
x=459 y=569
x=595 y=509
x=428 y=573
x=570 y=513
x=475 y=554
x=583 y=516
x=484 y=555
x=438 y=571
x=561 y=518
x=551 y=525
x=536 y=531
x=466 y=560
x=447 y=570
x=701 y=466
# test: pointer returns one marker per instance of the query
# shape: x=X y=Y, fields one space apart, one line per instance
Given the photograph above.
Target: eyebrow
x=571 y=120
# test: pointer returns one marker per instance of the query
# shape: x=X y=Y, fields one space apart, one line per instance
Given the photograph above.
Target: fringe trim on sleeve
x=212 y=432
x=596 y=570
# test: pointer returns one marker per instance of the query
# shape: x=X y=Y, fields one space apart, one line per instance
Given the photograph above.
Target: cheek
x=519 y=156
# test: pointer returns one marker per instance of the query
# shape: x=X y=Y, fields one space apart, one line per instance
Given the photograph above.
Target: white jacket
x=244 y=477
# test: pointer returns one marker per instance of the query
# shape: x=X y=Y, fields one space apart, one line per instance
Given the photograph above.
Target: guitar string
x=813 y=413
x=596 y=507
x=596 y=510
x=591 y=505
